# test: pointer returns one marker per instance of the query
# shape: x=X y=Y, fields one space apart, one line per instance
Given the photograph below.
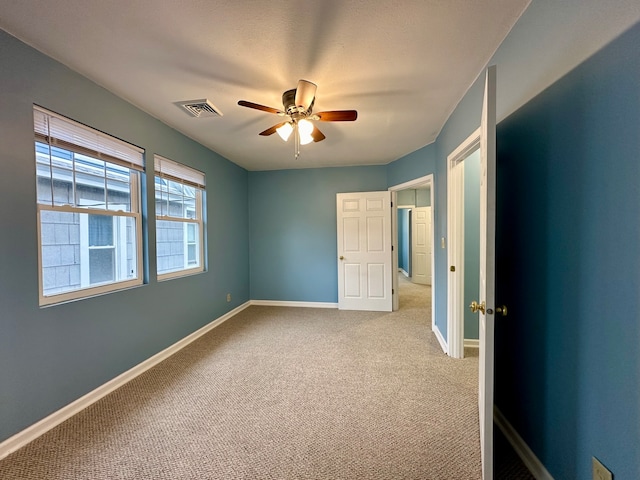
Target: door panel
x=421 y=245
x=487 y=269
x=364 y=251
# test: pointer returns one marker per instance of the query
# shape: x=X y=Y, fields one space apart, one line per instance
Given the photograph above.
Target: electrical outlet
x=600 y=472
x=228 y=297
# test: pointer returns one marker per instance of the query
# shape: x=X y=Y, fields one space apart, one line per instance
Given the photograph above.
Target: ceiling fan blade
x=244 y=103
x=337 y=116
x=305 y=93
x=317 y=135
x=271 y=130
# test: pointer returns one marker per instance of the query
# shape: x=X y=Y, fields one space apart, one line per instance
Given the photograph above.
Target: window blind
x=56 y=130
x=177 y=172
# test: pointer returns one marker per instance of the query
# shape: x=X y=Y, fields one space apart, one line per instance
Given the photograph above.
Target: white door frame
x=455 y=250
x=427 y=180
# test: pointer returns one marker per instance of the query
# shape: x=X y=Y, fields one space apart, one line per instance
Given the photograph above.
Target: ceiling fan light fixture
x=305 y=139
x=285 y=131
x=305 y=128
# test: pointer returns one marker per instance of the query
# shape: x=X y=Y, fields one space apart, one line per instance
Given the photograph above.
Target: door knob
x=502 y=310
x=477 y=307
x=341 y=257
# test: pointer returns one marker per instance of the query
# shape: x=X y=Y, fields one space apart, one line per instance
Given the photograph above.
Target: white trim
x=56 y=418
x=282 y=303
x=413 y=183
x=395 y=262
x=404 y=272
x=529 y=458
x=471 y=343
x=441 y=340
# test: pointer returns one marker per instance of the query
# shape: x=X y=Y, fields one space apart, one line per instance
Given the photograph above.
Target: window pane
x=175 y=206
x=192 y=258
x=62 y=186
x=118 y=196
x=43 y=184
x=170 y=246
x=101 y=265
x=89 y=165
x=190 y=207
x=191 y=232
x=161 y=197
x=189 y=191
x=100 y=230
x=90 y=191
x=80 y=250
x=60 y=251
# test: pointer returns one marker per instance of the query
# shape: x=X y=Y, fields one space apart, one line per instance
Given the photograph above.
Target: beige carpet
x=281 y=393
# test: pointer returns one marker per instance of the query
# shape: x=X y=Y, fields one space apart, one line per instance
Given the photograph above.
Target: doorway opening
x=414 y=205
x=463 y=253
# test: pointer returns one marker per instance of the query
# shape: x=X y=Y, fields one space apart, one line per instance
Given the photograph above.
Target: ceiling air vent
x=200 y=108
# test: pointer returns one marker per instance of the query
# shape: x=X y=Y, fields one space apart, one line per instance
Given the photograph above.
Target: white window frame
x=177 y=172
x=97 y=145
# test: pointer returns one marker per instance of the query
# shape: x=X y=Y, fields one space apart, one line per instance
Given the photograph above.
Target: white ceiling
x=403 y=65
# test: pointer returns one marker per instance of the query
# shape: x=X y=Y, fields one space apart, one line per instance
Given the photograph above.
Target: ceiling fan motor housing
x=289 y=103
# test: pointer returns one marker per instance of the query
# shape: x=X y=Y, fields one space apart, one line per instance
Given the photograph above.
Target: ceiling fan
x=298 y=105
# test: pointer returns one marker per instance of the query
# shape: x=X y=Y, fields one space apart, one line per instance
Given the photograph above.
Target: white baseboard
x=529 y=458
x=282 y=303
x=471 y=343
x=443 y=342
x=404 y=272
x=29 y=434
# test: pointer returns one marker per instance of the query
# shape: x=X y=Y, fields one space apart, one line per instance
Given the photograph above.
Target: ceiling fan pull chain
x=297 y=141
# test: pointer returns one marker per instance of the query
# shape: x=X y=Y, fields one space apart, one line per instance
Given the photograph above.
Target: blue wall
x=52 y=356
x=404 y=239
x=293 y=229
x=415 y=165
x=471 y=166
x=567 y=361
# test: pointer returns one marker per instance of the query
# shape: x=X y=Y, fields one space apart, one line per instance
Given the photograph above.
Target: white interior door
x=487 y=269
x=364 y=251
x=421 y=245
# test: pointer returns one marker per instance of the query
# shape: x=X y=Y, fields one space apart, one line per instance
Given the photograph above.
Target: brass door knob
x=477 y=307
x=502 y=310
x=341 y=257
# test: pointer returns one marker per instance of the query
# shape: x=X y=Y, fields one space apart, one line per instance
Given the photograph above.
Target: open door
x=486 y=303
x=421 y=245
x=364 y=251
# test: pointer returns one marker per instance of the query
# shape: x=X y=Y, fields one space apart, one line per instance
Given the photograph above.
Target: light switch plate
x=600 y=472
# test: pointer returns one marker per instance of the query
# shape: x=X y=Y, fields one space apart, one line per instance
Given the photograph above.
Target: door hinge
x=393 y=291
x=391 y=204
x=392 y=247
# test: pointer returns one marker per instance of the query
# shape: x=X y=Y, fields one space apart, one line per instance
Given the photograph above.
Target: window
x=179 y=219
x=89 y=222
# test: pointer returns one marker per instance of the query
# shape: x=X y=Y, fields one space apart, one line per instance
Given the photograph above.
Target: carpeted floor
x=281 y=393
